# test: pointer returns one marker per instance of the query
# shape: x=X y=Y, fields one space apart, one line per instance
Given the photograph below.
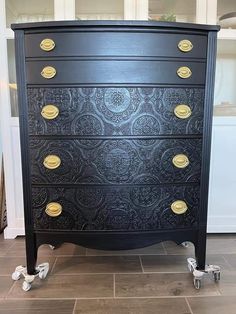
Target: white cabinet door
x=222 y=208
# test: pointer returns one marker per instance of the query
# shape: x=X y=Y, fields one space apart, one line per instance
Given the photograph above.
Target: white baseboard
x=12 y=233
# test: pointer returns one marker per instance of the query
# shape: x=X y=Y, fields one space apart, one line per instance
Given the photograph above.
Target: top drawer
x=115 y=44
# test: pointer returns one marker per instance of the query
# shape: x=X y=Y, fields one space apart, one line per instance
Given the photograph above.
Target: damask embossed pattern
x=143 y=207
x=115 y=111
x=115 y=161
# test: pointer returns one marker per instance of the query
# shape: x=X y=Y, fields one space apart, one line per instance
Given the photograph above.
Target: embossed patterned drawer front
x=143 y=207
x=114 y=72
x=114 y=111
x=114 y=44
x=116 y=161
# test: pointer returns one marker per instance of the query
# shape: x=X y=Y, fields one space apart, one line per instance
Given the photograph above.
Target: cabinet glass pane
x=12 y=77
x=28 y=11
x=226 y=13
x=225 y=91
x=172 y=10
x=99 y=9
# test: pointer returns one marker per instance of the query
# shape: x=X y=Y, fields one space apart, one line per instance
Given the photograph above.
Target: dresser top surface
x=114 y=24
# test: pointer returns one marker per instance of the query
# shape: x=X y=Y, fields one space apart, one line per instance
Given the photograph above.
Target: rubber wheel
x=15 y=275
x=43 y=274
x=216 y=276
x=26 y=286
x=197 y=283
x=190 y=267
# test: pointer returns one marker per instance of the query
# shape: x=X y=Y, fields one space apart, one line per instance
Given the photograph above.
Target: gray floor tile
x=227 y=284
x=76 y=286
x=132 y=306
x=97 y=264
x=213 y=305
x=221 y=245
x=164 y=263
x=219 y=260
x=36 y=306
x=231 y=259
x=175 y=249
x=153 y=249
x=5 y=284
x=162 y=284
x=18 y=249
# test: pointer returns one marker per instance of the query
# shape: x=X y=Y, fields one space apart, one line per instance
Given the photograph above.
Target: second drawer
x=115 y=72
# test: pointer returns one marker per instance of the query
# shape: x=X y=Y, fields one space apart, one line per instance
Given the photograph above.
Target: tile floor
x=150 y=280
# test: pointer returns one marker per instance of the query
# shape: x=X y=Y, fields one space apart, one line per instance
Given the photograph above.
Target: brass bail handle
x=182 y=111
x=185 y=45
x=180 y=161
x=184 y=72
x=53 y=209
x=47 y=44
x=52 y=162
x=48 y=72
x=50 y=112
x=179 y=207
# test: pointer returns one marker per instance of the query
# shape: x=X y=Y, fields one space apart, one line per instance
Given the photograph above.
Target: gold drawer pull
x=47 y=44
x=50 y=112
x=48 y=72
x=185 y=45
x=53 y=209
x=180 y=161
x=52 y=162
x=184 y=72
x=179 y=207
x=182 y=111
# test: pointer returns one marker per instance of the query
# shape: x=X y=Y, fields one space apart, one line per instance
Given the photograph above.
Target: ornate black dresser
x=115 y=122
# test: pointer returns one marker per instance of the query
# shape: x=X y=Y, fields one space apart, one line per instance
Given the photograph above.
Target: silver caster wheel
x=43 y=270
x=192 y=265
x=26 y=286
x=197 y=283
x=16 y=275
x=213 y=270
x=216 y=276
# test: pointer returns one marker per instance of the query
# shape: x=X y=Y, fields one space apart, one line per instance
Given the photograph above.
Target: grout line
x=141 y=263
x=122 y=273
x=74 y=306
x=10 y=290
x=53 y=266
x=164 y=248
x=228 y=263
x=119 y=297
x=126 y=254
x=114 y=285
x=188 y=305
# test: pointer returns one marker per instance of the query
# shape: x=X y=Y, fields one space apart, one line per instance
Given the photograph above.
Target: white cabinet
x=199 y=11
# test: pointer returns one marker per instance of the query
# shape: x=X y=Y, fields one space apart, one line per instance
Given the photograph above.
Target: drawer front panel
x=111 y=71
x=115 y=208
x=115 y=111
x=115 y=44
x=114 y=161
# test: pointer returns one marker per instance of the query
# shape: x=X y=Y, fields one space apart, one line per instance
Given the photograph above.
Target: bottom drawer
x=106 y=208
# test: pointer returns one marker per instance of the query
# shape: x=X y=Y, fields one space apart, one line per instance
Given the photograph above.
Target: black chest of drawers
x=115 y=122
